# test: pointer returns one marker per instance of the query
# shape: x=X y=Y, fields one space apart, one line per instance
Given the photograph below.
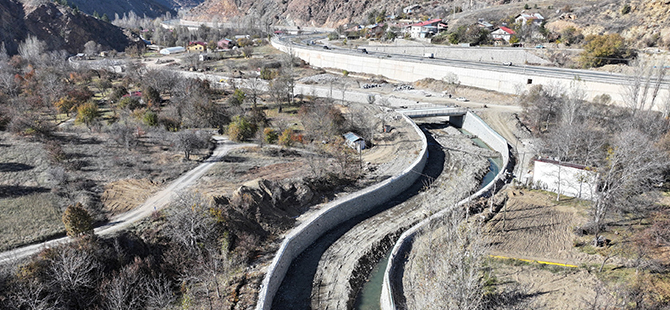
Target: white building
x=502 y=33
x=172 y=50
x=565 y=178
x=410 y=9
x=523 y=19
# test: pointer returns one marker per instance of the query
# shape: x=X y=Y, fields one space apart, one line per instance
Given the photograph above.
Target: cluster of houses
x=201 y=47
x=429 y=28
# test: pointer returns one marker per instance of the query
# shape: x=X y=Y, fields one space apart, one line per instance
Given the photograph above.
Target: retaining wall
x=473 y=53
x=333 y=214
x=407 y=70
x=476 y=126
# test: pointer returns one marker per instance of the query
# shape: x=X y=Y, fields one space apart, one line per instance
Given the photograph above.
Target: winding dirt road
x=156 y=202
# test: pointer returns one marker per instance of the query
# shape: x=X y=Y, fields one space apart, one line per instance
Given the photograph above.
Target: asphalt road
x=156 y=202
x=584 y=75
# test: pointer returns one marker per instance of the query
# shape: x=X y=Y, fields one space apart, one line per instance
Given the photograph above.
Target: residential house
x=502 y=33
x=524 y=19
x=426 y=29
x=410 y=9
x=564 y=178
x=484 y=24
x=196 y=47
x=375 y=30
x=172 y=50
x=354 y=141
x=225 y=44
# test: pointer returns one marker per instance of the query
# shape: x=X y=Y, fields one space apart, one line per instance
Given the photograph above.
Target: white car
x=462 y=99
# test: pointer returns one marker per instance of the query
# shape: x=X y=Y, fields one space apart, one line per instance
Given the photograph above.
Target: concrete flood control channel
x=368 y=297
x=295 y=292
x=331 y=272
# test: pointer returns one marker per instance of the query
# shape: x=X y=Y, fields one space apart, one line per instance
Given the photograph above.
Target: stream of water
x=368 y=297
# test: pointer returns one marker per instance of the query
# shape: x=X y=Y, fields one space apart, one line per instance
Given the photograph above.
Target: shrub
x=237 y=98
x=87 y=113
x=270 y=135
x=151 y=96
x=65 y=105
x=240 y=129
x=601 y=50
x=150 y=118
x=77 y=221
x=130 y=103
x=286 y=139
x=268 y=74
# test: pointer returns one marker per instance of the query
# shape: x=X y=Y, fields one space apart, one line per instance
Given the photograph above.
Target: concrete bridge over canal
x=432 y=111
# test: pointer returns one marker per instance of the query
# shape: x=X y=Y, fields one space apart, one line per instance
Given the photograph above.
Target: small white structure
x=523 y=19
x=565 y=178
x=354 y=141
x=410 y=9
x=172 y=50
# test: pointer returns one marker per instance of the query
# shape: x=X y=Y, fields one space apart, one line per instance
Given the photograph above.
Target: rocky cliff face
x=149 y=8
x=329 y=13
x=60 y=27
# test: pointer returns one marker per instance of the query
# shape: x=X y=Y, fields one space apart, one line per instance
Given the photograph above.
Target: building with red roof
x=427 y=28
x=502 y=34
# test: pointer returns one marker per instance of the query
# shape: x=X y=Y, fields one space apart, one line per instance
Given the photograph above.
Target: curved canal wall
x=475 y=125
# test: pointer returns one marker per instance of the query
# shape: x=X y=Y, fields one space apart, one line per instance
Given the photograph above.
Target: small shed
x=354 y=141
x=172 y=50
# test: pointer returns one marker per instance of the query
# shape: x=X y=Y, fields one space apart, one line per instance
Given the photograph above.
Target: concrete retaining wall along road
x=333 y=214
x=473 y=124
x=478 y=54
x=491 y=78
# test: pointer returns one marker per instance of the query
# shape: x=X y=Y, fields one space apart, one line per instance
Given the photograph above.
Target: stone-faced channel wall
x=333 y=214
x=475 y=125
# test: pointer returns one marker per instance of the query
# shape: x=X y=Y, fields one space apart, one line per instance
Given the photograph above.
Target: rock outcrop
x=62 y=28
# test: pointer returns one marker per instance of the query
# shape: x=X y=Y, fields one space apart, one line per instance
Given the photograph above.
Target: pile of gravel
x=403 y=87
x=319 y=79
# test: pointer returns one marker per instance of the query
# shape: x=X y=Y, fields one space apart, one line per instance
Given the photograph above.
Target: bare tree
x=91 y=48
x=125 y=291
x=188 y=141
x=159 y=293
x=627 y=177
x=73 y=275
x=452 y=253
x=32 y=49
x=643 y=86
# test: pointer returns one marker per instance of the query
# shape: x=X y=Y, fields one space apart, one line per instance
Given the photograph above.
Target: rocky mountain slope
x=60 y=27
x=149 y=8
x=643 y=22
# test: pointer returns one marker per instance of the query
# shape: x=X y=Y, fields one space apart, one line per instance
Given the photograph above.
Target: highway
x=552 y=72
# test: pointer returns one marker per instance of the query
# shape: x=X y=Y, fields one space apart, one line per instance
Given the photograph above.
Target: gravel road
x=156 y=202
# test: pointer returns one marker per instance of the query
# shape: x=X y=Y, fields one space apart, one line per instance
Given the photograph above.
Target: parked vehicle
x=539 y=46
x=509 y=63
x=325 y=47
x=428 y=55
x=463 y=99
x=364 y=51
